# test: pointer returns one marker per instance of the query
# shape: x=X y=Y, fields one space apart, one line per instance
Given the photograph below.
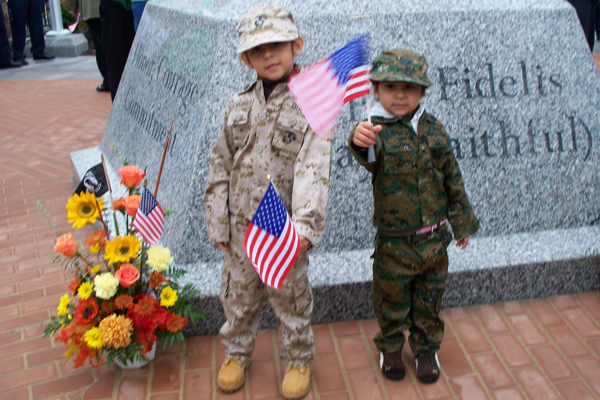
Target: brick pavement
x=531 y=349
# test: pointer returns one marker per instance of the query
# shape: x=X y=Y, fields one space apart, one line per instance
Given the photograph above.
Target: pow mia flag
x=94 y=181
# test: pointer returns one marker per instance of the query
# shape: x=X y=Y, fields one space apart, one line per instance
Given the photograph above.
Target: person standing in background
x=137 y=7
x=586 y=11
x=597 y=22
x=90 y=14
x=27 y=12
x=5 y=58
x=117 y=36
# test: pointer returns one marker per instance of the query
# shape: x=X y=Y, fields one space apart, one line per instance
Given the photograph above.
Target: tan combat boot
x=296 y=382
x=232 y=375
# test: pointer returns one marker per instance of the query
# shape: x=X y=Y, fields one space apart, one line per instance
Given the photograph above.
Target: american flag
x=150 y=218
x=322 y=89
x=271 y=241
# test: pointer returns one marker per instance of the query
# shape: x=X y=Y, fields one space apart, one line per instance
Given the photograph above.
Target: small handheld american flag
x=271 y=241
x=321 y=90
x=150 y=218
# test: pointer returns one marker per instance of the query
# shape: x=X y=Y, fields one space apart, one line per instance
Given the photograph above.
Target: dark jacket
x=416 y=179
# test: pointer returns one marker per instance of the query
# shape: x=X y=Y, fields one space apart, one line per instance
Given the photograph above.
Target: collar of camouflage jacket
x=378 y=111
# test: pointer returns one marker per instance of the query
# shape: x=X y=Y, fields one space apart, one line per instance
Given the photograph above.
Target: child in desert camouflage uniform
x=265 y=133
x=417 y=188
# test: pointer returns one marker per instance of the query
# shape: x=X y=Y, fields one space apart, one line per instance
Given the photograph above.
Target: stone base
x=490 y=269
x=71 y=45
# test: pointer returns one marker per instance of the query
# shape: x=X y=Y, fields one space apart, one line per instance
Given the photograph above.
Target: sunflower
x=168 y=297
x=83 y=210
x=122 y=249
x=86 y=311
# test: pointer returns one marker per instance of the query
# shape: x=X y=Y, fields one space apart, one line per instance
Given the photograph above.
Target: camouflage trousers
x=409 y=274
x=243 y=295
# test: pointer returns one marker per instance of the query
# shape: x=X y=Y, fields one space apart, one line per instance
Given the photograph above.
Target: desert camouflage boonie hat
x=265 y=25
x=400 y=66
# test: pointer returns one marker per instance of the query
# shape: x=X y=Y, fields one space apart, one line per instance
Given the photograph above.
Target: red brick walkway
x=534 y=349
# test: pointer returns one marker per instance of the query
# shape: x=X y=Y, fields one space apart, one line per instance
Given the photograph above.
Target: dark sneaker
x=43 y=57
x=428 y=368
x=392 y=365
x=12 y=64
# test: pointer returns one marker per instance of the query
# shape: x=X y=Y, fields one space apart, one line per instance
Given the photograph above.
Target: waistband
x=410 y=232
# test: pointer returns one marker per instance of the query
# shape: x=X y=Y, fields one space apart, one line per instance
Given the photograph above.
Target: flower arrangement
x=124 y=295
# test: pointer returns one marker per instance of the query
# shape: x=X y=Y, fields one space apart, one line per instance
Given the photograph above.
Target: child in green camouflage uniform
x=417 y=188
x=265 y=133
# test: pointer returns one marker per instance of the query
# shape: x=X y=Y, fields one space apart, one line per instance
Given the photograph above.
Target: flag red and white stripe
x=150 y=218
x=272 y=242
x=359 y=83
x=322 y=89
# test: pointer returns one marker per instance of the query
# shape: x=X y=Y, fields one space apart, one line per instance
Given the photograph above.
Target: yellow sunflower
x=82 y=209
x=122 y=249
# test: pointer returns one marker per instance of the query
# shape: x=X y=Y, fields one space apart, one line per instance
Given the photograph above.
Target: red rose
x=118 y=204
x=127 y=275
x=131 y=176
x=131 y=204
x=66 y=245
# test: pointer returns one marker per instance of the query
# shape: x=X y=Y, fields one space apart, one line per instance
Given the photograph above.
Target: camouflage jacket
x=257 y=139
x=416 y=179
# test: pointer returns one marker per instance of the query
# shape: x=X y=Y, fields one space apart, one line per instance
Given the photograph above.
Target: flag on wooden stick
x=94 y=181
x=150 y=218
x=271 y=241
x=321 y=90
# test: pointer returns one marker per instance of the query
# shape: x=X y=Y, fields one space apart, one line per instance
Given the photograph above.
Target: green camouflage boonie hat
x=400 y=66
x=265 y=25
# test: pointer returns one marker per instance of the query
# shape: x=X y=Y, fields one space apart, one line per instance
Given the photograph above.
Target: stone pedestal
x=71 y=45
x=513 y=82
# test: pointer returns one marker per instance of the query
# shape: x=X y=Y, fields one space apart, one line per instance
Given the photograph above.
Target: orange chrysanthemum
x=175 y=323
x=86 y=311
x=115 y=331
x=145 y=306
x=123 y=301
x=156 y=279
x=97 y=238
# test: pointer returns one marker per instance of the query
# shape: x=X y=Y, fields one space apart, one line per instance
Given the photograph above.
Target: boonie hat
x=400 y=66
x=265 y=25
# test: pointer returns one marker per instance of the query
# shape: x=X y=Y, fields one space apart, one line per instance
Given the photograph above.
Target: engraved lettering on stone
x=148 y=121
x=142 y=62
x=485 y=82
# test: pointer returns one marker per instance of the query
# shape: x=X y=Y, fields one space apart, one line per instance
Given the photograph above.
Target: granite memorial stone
x=513 y=82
